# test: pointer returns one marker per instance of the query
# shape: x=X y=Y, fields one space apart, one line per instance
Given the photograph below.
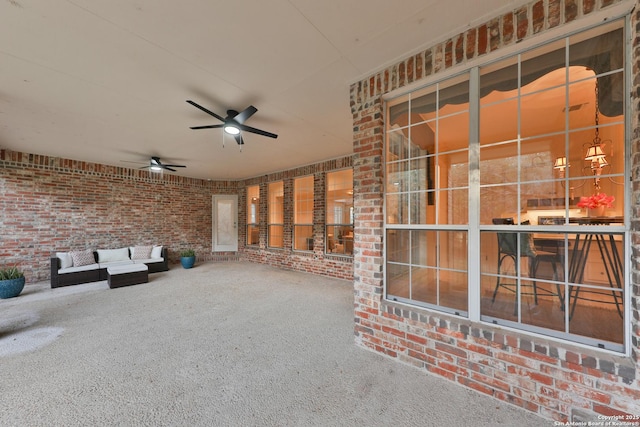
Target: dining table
x=606 y=243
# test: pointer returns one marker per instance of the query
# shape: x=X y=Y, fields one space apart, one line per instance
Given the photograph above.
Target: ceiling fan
x=233 y=124
x=156 y=165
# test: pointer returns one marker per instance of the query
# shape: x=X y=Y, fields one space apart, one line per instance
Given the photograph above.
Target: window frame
x=250 y=190
x=296 y=212
x=329 y=237
x=475 y=228
x=275 y=209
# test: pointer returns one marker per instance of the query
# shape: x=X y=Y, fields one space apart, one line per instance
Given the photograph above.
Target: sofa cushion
x=156 y=252
x=149 y=261
x=75 y=269
x=141 y=252
x=111 y=255
x=115 y=263
x=81 y=258
x=132 y=268
x=65 y=259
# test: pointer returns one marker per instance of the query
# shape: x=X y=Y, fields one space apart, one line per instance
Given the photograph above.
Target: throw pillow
x=141 y=252
x=112 y=255
x=81 y=258
x=65 y=259
x=156 y=252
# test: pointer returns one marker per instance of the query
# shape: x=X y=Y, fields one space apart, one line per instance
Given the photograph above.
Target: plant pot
x=11 y=288
x=596 y=212
x=187 y=261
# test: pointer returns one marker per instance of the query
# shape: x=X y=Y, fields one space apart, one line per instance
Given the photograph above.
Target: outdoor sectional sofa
x=76 y=267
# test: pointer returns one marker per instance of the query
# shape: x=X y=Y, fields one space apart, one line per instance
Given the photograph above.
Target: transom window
x=505 y=192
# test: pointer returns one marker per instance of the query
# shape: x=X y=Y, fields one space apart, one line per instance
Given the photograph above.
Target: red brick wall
x=53 y=205
x=317 y=261
x=555 y=380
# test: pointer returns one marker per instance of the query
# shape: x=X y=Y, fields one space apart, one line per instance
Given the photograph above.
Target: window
x=339 y=214
x=489 y=199
x=303 y=214
x=276 y=214
x=427 y=197
x=253 y=214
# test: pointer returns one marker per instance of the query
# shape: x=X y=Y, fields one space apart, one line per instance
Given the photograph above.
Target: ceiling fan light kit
x=231 y=130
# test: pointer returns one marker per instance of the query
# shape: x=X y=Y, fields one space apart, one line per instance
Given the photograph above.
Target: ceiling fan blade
x=206 y=127
x=144 y=167
x=205 y=110
x=239 y=139
x=175 y=166
x=258 y=131
x=130 y=161
x=244 y=115
x=168 y=168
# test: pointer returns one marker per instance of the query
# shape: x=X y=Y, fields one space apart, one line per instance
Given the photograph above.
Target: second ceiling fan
x=233 y=124
x=157 y=166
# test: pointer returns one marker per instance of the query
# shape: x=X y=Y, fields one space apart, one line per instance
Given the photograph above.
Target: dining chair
x=508 y=246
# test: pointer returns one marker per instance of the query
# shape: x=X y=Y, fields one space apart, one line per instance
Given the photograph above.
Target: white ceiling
x=106 y=81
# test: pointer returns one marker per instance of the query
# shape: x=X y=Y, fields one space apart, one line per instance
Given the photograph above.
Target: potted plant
x=11 y=282
x=187 y=258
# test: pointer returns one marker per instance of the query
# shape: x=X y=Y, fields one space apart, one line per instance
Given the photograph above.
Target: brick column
x=368 y=209
x=635 y=195
x=319 y=215
x=242 y=217
x=263 y=216
x=287 y=236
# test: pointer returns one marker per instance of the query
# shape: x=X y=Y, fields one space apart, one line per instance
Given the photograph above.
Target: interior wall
x=551 y=378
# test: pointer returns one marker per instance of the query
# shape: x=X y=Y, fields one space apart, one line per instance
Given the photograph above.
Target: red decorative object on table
x=596 y=200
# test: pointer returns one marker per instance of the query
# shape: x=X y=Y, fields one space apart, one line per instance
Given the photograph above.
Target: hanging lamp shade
x=595 y=153
x=560 y=163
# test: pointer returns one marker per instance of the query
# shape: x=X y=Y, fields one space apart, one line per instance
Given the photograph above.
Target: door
x=225 y=223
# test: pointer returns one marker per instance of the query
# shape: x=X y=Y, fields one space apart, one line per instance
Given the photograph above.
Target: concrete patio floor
x=222 y=344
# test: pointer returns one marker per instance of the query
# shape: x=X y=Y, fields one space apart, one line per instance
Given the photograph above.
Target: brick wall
x=316 y=261
x=53 y=205
x=555 y=380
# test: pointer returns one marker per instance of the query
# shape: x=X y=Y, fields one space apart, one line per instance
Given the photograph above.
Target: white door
x=225 y=223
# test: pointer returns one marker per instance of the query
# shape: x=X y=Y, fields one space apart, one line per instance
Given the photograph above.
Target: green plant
x=9 y=273
x=187 y=253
